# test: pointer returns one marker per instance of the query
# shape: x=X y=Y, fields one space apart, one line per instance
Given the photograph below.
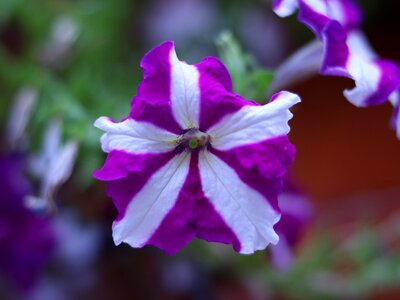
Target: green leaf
x=249 y=79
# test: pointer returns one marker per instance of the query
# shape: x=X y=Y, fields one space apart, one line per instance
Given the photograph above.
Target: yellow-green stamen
x=193 y=143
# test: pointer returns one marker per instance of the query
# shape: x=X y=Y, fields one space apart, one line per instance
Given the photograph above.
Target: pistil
x=193 y=140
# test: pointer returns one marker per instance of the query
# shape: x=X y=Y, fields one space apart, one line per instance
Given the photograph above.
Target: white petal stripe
x=336 y=10
x=185 y=92
x=252 y=124
x=134 y=137
x=362 y=69
x=358 y=44
x=243 y=209
x=286 y=8
x=150 y=206
x=319 y=6
x=366 y=75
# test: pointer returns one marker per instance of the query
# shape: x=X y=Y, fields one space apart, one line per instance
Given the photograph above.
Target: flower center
x=193 y=140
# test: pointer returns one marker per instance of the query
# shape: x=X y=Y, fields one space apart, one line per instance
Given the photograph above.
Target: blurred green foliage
x=329 y=266
x=249 y=79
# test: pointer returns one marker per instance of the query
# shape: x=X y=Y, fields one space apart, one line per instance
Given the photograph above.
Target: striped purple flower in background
x=344 y=51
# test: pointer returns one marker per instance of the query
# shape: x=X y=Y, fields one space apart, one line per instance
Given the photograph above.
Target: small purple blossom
x=194 y=159
x=345 y=51
x=26 y=240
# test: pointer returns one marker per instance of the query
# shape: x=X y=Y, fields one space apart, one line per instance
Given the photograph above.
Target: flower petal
x=150 y=205
x=375 y=82
x=261 y=165
x=375 y=79
x=214 y=68
x=193 y=215
x=169 y=94
x=127 y=174
x=284 y=8
x=282 y=256
x=253 y=124
x=120 y=164
x=346 y=50
x=346 y=12
x=316 y=14
x=60 y=169
x=217 y=98
x=51 y=144
x=185 y=92
x=153 y=101
x=134 y=137
x=243 y=209
x=303 y=63
x=20 y=114
x=297 y=211
x=26 y=239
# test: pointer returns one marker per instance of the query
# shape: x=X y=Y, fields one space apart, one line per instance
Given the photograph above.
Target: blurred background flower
x=26 y=239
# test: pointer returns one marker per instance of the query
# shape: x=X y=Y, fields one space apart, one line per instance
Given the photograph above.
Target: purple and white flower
x=344 y=50
x=194 y=159
x=52 y=167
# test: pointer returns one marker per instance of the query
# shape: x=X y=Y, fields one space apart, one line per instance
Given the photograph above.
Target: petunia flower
x=26 y=239
x=343 y=50
x=194 y=159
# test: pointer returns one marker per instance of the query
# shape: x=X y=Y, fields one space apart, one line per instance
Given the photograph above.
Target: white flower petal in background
x=50 y=148
x=303 y=63
x=20 y=115
x=52 y=166
x=59 y=170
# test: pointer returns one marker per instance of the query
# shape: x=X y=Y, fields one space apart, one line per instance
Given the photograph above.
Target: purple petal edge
x=262 y=165
x=127 y=173
x=389 y=82
x=336 y=52
x=216 y=96
x=152 y=103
